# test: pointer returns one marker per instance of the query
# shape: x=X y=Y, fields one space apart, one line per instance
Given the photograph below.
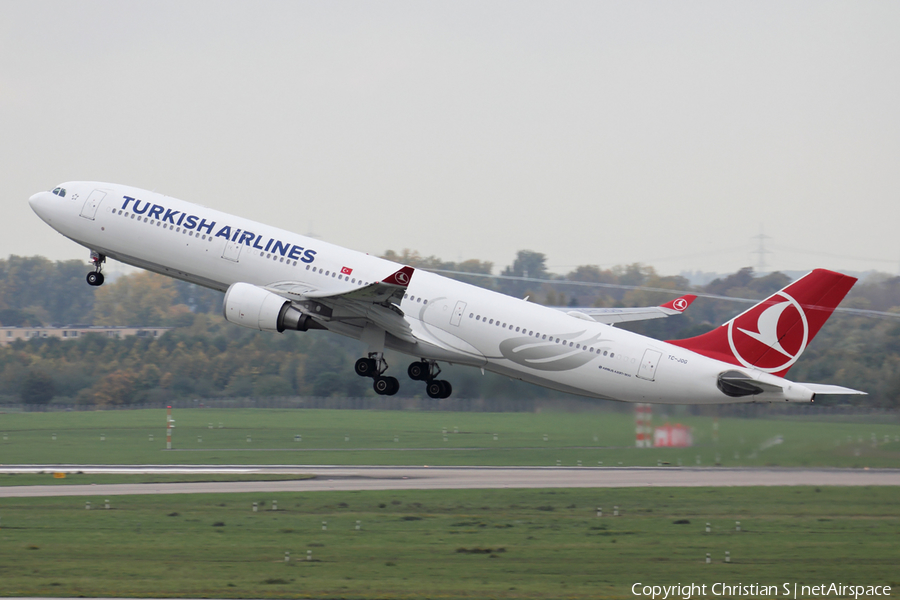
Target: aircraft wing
x=377 y=302
x=611 y=316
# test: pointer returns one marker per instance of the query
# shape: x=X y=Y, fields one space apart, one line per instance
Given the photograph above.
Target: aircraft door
x=458 y=313
x=232 y=251
x=648 y=365
x=89 y=210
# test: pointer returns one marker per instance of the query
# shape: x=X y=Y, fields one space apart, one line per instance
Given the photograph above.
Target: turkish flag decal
x=346 y=270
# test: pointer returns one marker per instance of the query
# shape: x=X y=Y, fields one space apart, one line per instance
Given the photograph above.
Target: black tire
x=418 y=371
x=448 y=389
x=395 y=386
x=382 y=385
x=94 y=278
x=434 y=389
x=365 y=367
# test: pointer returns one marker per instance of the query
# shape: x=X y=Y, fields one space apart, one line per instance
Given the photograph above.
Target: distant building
x=9 y=335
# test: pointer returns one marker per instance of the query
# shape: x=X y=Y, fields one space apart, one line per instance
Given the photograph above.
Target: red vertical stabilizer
x=772 y=335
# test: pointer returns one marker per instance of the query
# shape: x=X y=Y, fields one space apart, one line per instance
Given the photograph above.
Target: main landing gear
x=95 y=277
x=373 y=366
x=428 y=370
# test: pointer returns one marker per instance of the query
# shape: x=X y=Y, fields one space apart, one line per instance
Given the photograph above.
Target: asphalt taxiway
x=363 y=478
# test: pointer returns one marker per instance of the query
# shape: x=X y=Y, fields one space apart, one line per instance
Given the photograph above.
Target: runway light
x=708 y=528
x=708 y=558
x=255 y=507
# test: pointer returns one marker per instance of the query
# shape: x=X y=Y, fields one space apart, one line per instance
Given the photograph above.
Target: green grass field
x=346 y=437
x=438 y=544
x=446 y=544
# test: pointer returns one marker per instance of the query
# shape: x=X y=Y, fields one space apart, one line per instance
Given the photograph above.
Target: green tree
x=37 y=388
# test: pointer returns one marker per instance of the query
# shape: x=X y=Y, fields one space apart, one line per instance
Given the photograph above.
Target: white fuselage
x=450 y=320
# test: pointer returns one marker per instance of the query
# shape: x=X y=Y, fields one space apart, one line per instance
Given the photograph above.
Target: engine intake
x=251 y=306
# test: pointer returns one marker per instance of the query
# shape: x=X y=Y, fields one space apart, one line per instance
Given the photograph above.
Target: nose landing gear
x=95 y=277
x=428 y=370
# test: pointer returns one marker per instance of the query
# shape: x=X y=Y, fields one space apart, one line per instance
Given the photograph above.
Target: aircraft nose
x=40 y=204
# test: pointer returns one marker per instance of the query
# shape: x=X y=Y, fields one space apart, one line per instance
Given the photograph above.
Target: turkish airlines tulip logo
x=402 y=278
x=680 y=304
x=771 y=336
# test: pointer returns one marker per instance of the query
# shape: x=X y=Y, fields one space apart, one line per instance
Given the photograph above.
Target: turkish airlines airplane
x=275 y=280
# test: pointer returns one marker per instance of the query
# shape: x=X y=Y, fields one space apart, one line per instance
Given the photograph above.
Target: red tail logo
x=772 y=335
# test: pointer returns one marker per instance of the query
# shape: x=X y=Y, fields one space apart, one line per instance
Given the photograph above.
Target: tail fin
x=772 y=335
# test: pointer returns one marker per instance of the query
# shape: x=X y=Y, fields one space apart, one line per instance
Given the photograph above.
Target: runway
x=364 y=478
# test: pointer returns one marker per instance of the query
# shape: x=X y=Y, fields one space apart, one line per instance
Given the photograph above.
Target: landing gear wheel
x=418 y=371
x=438 y=389
x=395 y=386
x=386 y=386
x=365 y=367
x=95 y=278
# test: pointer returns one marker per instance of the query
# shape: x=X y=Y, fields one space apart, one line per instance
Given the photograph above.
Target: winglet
x=400 y=278
x=679 y=304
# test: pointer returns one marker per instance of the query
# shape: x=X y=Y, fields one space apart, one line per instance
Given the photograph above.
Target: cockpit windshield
x=60 y=192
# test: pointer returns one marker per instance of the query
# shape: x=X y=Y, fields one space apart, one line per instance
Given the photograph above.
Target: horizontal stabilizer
x=822 y=388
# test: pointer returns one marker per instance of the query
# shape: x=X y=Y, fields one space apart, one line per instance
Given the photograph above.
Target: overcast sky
x=600 y=133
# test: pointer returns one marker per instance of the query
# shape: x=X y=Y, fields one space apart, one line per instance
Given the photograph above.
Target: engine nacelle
x=251 y=306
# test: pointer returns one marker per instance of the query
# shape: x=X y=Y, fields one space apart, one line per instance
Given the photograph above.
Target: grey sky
x=595 y=132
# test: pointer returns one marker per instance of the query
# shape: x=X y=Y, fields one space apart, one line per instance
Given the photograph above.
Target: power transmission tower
x=761 y=250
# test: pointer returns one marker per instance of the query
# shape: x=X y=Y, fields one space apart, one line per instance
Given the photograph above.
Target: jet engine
x=250 y=306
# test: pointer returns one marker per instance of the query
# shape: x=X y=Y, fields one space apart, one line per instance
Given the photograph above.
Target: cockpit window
x=60 y=192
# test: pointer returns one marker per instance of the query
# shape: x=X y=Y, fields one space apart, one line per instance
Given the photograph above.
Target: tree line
x=203 y=356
